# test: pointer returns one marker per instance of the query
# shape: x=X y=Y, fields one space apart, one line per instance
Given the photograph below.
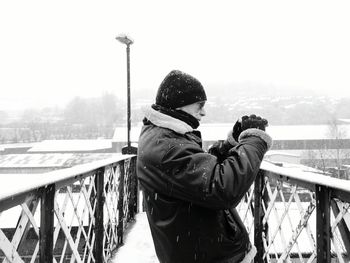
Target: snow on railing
x=77 y=214
x=295 y=214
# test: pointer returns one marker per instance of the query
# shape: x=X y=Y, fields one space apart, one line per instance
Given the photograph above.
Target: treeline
x=282 y=111
x=81 y=118
x=281 y=106
x=90 y=118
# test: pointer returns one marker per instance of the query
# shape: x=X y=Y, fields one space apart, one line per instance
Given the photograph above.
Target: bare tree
x=337 y=133
x=331 y=152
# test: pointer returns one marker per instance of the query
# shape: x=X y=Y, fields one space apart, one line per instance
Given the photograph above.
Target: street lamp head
x=125 y=39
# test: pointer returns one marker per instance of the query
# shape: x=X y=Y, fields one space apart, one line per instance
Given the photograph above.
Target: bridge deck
x=138 y=245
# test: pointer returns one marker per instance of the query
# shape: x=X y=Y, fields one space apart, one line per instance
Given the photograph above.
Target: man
x=190 y=195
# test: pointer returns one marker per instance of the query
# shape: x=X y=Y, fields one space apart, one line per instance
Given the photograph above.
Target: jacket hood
x=165 y=121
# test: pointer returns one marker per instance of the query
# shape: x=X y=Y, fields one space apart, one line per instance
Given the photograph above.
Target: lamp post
x=127 y=41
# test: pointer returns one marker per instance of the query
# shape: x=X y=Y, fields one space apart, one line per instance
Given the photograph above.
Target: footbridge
x=93 y=213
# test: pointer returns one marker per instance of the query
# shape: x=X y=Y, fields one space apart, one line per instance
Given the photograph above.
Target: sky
x=53 y=51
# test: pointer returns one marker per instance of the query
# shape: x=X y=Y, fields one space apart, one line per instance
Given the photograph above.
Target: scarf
x=178 y=114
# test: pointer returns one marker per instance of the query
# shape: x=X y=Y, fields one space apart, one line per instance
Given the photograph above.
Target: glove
x=246 y=122
x=236 y=130
x=254 y=121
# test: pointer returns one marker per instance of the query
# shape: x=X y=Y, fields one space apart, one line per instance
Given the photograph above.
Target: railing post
x=258 y=217
x=133 y=202
x=120 y=205
x=99 y=231
x=47 y=224
x=323 y=241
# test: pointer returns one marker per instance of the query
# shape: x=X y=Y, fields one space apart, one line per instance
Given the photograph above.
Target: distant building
x=72 y=146
x=305 y=144
x=51 y=155
x=45 y=162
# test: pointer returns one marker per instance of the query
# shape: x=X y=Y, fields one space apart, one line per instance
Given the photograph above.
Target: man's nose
x=203 y=112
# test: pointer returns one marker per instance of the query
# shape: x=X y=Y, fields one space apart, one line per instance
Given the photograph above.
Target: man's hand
x=247 y=122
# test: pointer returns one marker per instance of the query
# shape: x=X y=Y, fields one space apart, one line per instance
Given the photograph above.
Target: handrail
x=77 y=214
x=306 y=175
x=10 y=188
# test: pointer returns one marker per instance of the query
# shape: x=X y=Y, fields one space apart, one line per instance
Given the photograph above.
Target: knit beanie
x=179 y=89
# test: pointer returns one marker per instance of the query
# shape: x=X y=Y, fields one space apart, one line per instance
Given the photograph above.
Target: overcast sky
x=51 y=51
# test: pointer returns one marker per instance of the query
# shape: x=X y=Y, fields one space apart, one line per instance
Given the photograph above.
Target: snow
x=307 y=175
x=50 y=160
x=138 y=244
x=71 y=145
x=16 y=145
x=34 y=160
x=20 y=184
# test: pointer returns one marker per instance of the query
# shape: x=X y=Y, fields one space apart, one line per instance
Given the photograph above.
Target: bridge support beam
x=99 y=231
x=323 y=240
x=47 y=224
x=258 y=217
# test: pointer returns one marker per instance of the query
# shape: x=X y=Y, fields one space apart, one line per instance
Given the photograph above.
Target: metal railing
x=77 y=214
x=295 y=214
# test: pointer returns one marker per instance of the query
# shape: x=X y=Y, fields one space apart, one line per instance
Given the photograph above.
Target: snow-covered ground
x=138 y=245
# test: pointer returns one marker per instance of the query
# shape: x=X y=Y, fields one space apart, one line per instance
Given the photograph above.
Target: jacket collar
x=165 y=121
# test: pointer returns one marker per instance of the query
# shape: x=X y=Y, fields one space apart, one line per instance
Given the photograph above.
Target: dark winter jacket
x=190 y=196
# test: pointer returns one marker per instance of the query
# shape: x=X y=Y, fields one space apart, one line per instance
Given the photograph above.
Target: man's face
x=196 y=109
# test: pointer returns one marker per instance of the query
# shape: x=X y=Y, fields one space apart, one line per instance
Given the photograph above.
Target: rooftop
x=50 y=160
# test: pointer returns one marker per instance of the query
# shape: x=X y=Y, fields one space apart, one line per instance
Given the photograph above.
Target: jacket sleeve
x=199 y=177
x=221 y=149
